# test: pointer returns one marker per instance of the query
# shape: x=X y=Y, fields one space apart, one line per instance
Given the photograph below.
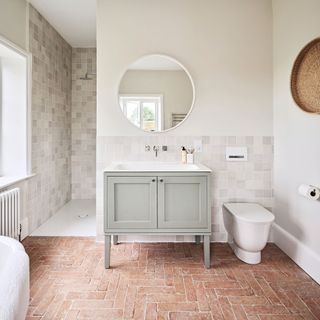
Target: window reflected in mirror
x=156 y=93
x=145 y=112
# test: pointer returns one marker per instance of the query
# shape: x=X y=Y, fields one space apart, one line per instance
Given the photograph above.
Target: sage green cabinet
x=159 y=203
x=132 y=202
x=182 y=202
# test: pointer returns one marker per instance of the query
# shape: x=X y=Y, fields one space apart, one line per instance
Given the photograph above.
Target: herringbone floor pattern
x=163 y=281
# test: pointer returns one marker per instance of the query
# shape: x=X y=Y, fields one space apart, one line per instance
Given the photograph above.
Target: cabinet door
x=131 y=202
x=182 y=202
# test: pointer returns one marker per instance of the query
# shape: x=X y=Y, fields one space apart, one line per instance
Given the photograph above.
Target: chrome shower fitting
x=86 y=77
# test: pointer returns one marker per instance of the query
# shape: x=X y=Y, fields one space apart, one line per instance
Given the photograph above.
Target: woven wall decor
x=305 y=78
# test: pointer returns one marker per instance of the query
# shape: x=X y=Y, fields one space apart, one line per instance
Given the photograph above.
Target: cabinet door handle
x=161 y=180
x=153 y=180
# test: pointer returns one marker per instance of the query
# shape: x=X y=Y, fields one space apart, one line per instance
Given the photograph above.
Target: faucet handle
x=156 y=150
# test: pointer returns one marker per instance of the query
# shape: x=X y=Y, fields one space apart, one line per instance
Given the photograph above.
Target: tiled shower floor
x=76 y=218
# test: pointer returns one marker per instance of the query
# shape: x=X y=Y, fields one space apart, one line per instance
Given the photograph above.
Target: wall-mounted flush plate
x=197 y=144
x=236 y=153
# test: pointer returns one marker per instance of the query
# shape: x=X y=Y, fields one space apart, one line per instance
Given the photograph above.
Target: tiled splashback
x=231 y=181
x=83 y=158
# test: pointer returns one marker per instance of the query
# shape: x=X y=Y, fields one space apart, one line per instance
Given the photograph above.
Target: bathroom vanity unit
x=153 y=198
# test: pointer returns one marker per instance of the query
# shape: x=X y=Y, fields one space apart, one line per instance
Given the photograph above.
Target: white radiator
x=10 y=213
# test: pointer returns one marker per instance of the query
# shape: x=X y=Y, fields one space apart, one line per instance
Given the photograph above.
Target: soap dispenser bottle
x=183 y=154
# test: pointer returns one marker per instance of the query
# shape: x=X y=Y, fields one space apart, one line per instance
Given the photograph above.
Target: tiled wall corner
x=249 y=181
x=51 y=122
x=63 y=124
x=83 y=159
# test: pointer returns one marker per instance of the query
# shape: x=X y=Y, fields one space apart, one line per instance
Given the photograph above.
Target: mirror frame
x=192 y=85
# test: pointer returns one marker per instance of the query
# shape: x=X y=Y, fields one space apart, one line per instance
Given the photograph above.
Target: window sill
x=10 y=180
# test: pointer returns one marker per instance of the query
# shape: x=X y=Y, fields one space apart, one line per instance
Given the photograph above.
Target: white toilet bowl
x=248 y=226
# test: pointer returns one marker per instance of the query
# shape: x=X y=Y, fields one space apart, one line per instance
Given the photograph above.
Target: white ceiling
x=75 y=20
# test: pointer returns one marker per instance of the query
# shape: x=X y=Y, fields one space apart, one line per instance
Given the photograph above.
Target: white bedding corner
x=14 y=280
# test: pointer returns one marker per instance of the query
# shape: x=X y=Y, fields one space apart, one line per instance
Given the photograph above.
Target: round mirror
x=156 y=93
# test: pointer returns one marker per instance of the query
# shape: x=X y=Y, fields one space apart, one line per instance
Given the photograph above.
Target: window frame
x=144 y=98
x=28 y=135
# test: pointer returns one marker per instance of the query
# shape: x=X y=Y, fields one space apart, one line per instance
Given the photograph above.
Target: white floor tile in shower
x=76 y=218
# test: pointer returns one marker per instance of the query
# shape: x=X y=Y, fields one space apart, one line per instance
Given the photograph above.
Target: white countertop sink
x=142 y=166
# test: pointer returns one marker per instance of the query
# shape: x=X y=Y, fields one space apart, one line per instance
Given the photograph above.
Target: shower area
x=78 y=216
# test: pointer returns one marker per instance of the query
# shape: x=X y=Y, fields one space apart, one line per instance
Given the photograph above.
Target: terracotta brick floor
x=163 y=281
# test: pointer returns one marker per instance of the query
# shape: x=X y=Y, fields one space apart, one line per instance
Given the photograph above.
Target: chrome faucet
x=156 y=150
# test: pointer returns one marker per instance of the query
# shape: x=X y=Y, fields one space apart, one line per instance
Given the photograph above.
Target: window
x=144 y=111
x=14 y=73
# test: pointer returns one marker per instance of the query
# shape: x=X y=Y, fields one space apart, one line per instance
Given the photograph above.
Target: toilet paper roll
x=309 y=192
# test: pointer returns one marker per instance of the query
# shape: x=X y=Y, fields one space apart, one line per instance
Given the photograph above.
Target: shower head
x=86 y=77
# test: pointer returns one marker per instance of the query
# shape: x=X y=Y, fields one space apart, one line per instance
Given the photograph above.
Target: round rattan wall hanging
x=305 y=78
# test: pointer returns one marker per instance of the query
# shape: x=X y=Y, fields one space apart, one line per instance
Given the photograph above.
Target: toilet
x=248 y=226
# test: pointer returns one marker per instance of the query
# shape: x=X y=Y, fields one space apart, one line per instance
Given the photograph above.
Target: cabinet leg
x=114 y=240
x=107 y=245
x=197 y=239
x=206 y=251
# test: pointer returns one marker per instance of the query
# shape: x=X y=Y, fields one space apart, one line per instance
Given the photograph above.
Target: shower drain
x=83 y=215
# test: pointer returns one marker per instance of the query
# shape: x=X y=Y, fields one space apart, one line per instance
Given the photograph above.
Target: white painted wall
x=13 y=21
x=174 y=86
x=297 y=142
x=225 y=45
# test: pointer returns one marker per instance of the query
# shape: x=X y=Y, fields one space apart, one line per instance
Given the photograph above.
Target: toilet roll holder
x=309 y=191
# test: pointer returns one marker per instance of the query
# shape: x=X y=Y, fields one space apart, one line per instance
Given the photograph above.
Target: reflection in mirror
x=156 y=93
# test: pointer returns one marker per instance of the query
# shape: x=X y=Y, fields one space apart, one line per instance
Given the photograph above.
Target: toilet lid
x=250 y=212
